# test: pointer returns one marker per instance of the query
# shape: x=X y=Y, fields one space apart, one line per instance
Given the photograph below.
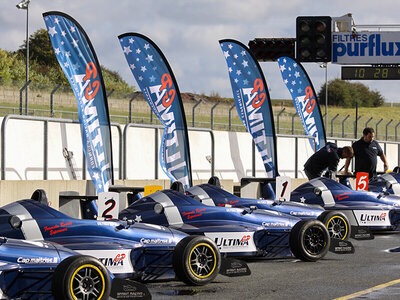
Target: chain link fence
x=59 y=102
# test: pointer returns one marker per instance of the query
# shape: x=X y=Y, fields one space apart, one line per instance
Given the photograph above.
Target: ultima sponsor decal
x=233 y=241
x=371 y=218
x=116 y=261
x=37 y=260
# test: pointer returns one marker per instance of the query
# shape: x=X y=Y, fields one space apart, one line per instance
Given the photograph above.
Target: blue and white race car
x=236 y=231
x=212 y=194
x=128 y=249
x=45 y=270
x=365 y=209
x=388 y=183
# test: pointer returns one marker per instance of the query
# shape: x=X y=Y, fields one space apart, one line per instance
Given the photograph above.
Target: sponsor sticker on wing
x=233 y=241
x=116 y=261
x=372 y=217
x=37 y=260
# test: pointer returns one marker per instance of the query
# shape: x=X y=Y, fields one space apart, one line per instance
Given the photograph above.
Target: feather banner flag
x=252 y=100
x=78 y=60
x=304 y=99
x=157 y=82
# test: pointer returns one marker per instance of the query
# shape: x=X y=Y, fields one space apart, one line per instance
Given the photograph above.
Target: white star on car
x=138 y=219
x=302 y=199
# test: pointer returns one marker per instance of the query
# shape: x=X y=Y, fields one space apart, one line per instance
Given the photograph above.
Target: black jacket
x=326 y=157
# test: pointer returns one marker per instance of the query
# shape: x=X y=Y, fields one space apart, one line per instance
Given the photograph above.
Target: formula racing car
x=367 y=209
x=388 y=183
x=212 y=194
x=44 y=270
x=128 y=249
x=237 y=231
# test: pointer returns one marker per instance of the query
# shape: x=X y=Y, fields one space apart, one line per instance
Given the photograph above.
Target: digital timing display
x=370 y=73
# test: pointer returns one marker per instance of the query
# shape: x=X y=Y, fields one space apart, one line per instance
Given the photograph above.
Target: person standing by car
x=326 y=158
x=366 y=150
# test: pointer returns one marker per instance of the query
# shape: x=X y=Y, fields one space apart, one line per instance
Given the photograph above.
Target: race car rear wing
x=78 y=206
x=256 y=188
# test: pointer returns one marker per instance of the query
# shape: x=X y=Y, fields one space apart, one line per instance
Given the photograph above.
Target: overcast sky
x=187 y=31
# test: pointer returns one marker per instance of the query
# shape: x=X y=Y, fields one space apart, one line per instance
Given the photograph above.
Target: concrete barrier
x=13 y=190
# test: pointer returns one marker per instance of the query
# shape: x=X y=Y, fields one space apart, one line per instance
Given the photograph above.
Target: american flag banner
x=157 y=82
x=252 y=100
x=78 y=60
x=304 y=99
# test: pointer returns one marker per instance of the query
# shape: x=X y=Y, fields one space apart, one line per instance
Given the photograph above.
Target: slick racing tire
x=309 y=240
x=196 y=260
x=337 y=223
x=81 y=277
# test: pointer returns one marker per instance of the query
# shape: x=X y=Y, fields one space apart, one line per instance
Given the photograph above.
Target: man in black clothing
x=326 y=158
x=366 y=150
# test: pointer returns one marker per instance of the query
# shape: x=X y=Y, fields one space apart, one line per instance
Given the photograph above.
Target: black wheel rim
x=87 y=283
x=337 y=228
x=202 y=260
x=314 y=240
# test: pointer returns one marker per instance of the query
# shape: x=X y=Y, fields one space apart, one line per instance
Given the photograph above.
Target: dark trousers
x=311 y=175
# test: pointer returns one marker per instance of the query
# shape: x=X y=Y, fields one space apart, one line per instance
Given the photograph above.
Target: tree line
x=46 y=72
x=44 y=69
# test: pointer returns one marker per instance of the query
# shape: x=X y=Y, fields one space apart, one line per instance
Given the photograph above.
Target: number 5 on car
x=283 y=188
x=108 y=203
x=362 y=181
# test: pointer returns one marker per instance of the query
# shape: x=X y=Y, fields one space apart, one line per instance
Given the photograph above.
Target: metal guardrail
x=46 y=120
x=156 y=128
x=123 y=144
x=286 y=122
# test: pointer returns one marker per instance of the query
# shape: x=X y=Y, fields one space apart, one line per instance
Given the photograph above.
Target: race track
x=371 y=273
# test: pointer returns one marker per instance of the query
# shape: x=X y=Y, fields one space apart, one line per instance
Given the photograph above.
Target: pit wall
x=24 y=158
x=13 y=190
